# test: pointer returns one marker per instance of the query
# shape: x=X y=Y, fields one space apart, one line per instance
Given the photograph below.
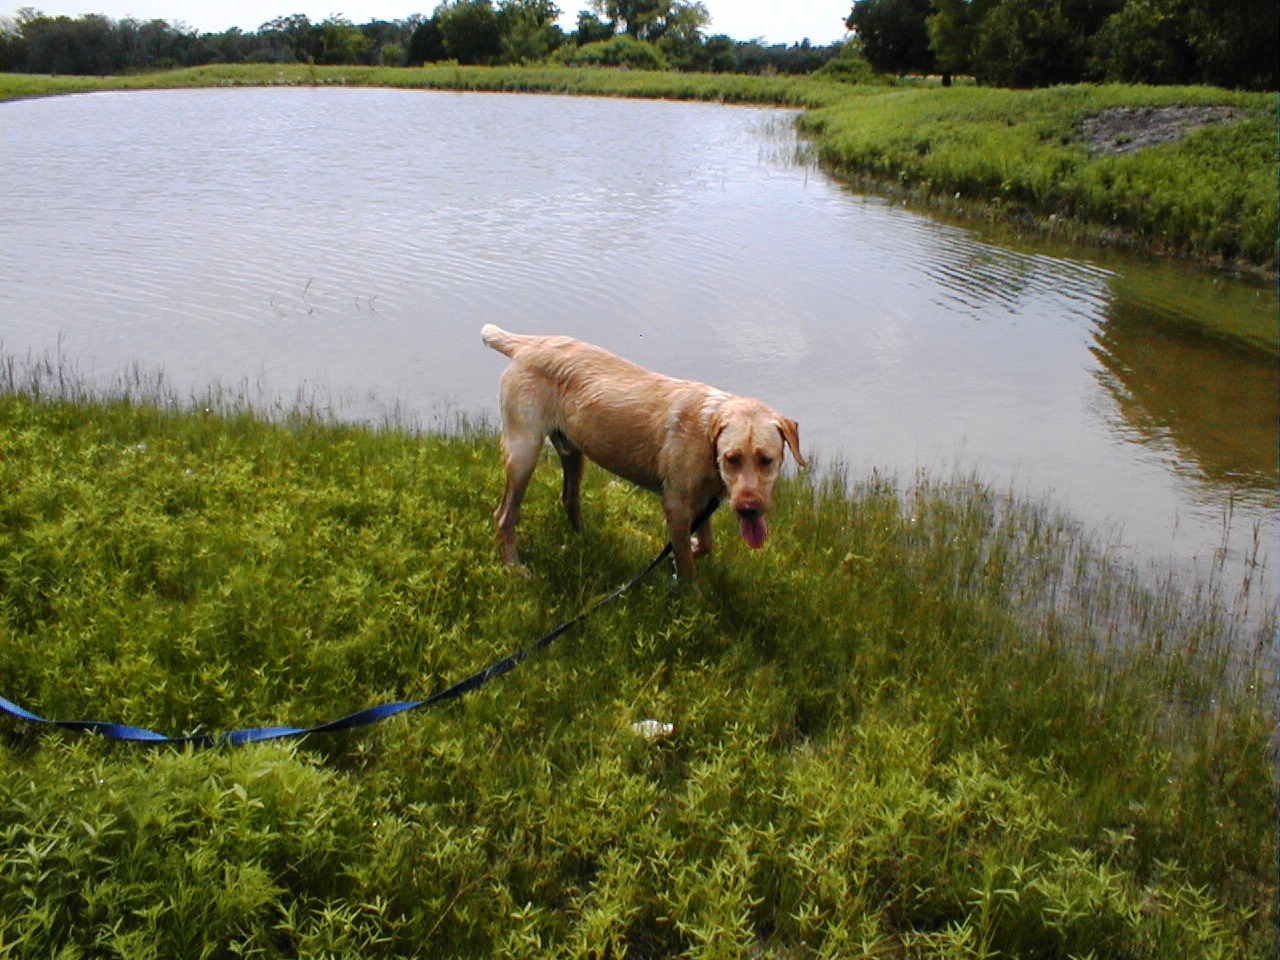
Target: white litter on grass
x=652 y=728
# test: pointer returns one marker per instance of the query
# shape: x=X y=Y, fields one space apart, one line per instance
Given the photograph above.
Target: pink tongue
x=753 y=530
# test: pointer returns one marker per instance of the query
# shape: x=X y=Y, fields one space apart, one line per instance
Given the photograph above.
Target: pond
x=344 y=246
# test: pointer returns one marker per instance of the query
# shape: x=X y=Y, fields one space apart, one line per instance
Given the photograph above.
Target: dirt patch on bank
x=1126 y=129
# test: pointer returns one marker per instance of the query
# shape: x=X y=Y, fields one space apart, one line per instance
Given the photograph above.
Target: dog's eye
x=733 y=460
x=766 y=461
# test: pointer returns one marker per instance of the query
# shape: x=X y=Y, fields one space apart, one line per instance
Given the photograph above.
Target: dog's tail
x=502 y=341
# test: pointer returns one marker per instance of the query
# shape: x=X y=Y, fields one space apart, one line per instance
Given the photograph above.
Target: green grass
x=928 y=720
x=544 y=79
x=1016 y=155
x=1212 y=194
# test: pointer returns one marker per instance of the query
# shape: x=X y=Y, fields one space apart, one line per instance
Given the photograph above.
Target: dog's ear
x=790 y=431
x=717 y=428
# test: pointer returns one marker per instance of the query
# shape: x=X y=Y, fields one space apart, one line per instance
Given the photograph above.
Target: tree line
x=657 y=34
x=1015 y=43
x=1032 y=43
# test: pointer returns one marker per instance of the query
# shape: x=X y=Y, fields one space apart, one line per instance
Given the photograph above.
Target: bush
x=621 y=51
x=849 y=67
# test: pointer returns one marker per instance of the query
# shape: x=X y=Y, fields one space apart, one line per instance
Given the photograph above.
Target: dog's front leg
x=702 y=539
x=678 y=520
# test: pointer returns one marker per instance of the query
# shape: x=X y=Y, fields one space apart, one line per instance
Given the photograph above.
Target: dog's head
x=750 y=439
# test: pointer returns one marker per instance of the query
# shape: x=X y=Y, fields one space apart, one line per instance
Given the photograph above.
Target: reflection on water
x=1211 y=407
x=352 y=242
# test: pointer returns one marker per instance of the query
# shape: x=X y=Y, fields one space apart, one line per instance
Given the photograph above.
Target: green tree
x=1035 y=43
x=893 y=34
x=681 y=39
x=338 y=40
x=469 y=30
x=718 y=55
x=1236 y=42
x=388 y=40
x=632 y=16
x=953 y=33
x=34 y=42
x=1229 y=43
x=528 y=29
x=652 y=19
x=63 y=45
x=294 y=33
x=426 y=44
x=591 y=29
x=1147 y=41
x=1025 y=43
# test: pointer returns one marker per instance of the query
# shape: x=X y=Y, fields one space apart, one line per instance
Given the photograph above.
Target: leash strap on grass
x=362 y=718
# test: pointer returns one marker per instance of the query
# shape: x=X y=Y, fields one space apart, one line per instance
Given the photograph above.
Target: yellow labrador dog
x=684 y=440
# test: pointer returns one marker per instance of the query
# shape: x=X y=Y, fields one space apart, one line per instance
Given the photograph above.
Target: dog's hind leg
x=520 y=454
x=571 y=461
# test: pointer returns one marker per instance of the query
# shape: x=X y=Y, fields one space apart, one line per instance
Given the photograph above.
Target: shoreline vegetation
x=1027 y=159
x=930 y=720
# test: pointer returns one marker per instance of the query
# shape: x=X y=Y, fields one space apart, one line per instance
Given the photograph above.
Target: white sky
x=774 y=21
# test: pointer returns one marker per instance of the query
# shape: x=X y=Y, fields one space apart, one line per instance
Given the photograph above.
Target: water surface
x=348 y=244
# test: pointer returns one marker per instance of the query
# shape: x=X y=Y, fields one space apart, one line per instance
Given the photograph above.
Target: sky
x=774 y=21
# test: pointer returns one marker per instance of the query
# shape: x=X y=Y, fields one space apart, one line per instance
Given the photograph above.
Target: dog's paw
x=687 y=587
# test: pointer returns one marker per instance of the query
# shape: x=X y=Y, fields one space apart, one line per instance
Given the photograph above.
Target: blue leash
x=362 y=718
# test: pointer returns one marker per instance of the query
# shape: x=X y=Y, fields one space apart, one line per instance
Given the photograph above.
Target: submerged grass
x=1022 y=157
x=930 y=720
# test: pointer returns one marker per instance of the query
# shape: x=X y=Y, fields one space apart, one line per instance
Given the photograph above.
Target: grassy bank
x=1021 y=157
x=927 y=720
x=567 y=80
